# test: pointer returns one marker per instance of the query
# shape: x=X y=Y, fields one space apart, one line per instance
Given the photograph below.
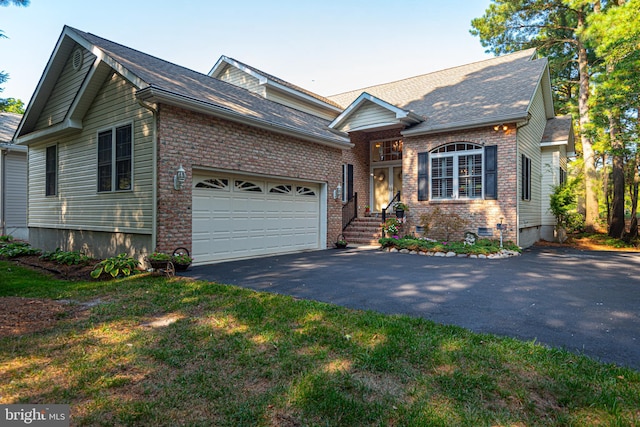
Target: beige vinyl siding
x=15 y=188
x=64 y=91
x=239 y=78
x=529 y=138
x=298 y=104
x=368 y=114
x=77 y=204
x=563 y=159
x=550 y=178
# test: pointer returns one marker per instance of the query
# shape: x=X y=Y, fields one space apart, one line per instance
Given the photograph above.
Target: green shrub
x=115 y=266
x=563 y=205
x=391 y=226
x=159 y=256
x=446 y=225
x=16 y=249
x=64 y=257
x=6 y=238
x=481 y=247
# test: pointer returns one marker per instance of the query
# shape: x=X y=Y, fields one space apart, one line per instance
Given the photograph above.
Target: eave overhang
x=66 y=127
x=160 y=96
x=12 y=147
x=455 y=126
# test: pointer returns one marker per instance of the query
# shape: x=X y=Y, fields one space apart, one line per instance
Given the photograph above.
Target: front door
x=387 y=181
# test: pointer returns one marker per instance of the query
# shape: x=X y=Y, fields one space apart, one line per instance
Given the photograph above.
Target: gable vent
x=77 y=59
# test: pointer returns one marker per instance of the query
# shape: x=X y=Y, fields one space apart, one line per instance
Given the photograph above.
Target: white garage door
x=240 y=217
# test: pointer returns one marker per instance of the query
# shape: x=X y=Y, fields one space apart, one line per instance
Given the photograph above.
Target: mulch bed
x=585 y=244
x=59 y=271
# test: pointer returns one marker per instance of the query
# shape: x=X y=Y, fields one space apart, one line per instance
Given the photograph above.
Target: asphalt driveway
x=587 y=302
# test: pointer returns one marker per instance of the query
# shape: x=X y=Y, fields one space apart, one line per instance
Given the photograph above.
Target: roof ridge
x=469 y=64
x=84 y=33
x=186 y=86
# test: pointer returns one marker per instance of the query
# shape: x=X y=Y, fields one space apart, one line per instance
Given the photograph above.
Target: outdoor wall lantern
x=179 y=178
x=501 y=127
x=337 y=193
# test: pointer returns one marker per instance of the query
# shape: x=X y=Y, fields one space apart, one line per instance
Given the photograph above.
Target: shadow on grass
x=168 y=352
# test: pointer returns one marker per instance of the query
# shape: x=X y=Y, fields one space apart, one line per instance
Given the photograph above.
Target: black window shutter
x=491 y=172
x=423 y=176
x=349 y=182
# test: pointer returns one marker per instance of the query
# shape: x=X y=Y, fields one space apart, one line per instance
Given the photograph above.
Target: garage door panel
x=230 y=222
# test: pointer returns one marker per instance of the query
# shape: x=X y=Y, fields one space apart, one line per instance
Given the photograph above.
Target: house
x=130 y=153
x=13 y=180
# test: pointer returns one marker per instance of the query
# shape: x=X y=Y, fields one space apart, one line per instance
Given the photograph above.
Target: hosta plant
x=115 y=266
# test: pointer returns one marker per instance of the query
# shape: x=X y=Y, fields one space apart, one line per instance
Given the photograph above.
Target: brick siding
x=200 y=141
x=479 y=213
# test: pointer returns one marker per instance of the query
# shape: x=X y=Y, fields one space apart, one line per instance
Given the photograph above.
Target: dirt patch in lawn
x=20 y=316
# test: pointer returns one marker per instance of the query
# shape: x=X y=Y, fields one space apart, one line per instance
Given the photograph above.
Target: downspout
x=154 y=179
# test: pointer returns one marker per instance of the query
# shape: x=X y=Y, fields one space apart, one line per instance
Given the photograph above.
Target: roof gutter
x=13 y=147
x=510 y=118
x=157 y=95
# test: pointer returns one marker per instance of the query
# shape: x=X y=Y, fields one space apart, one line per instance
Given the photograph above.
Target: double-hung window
x=456 y=172
x=115 y=149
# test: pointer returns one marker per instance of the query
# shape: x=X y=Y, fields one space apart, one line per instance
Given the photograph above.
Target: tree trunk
x=616 y=225
x=633 y=228
x=591 y=199
x=605 y=187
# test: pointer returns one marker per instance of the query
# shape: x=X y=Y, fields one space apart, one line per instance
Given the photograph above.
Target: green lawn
x=166 y=352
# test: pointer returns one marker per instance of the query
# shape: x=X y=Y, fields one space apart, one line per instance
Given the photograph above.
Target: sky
x=326 y=46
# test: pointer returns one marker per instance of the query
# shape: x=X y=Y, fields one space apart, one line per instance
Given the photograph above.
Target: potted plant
x=341 y=242
x=367 y=210
x=401 y=208
x=158 y=260
x=391 y=227
x=181 y=259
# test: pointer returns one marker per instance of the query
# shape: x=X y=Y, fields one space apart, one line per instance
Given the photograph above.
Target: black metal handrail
x=349 y=211
x=393 y=201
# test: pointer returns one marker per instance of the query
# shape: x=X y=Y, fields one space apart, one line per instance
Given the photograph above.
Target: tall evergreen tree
x=556 y=28
x=615 y=33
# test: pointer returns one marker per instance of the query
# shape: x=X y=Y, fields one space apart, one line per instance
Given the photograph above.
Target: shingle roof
x=8 y=124
x=479 y=92
x=558 y=129
x=189 y=84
